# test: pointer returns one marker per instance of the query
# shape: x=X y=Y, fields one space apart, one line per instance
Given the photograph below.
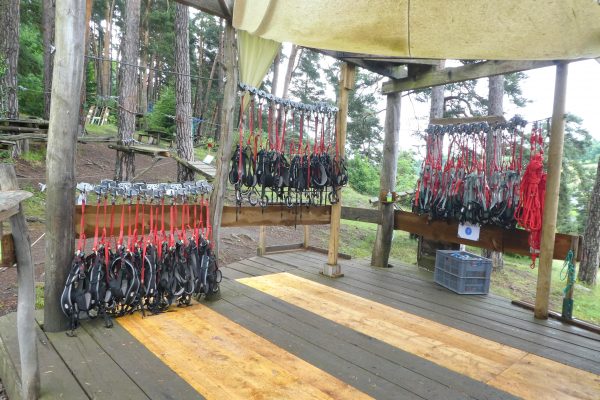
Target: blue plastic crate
x=462 y=272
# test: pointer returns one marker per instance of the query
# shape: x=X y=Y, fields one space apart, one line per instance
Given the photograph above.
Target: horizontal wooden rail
x=490 y=237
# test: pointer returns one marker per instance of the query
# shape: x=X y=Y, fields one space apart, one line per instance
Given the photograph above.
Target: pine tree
x=588 y=269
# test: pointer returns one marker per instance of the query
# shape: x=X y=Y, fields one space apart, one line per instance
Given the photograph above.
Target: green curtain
x=255 y=57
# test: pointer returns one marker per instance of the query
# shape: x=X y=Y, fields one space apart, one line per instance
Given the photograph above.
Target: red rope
x=81 y=243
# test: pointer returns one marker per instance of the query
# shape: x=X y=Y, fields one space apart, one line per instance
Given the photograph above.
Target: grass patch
x=39 y=296
x=34 y=206
x=101 y=130
x=35 y=156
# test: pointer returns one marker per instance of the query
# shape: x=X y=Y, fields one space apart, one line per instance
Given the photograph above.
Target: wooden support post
x=262 y=241
x=30 y=373
x=567 y=306
x=542 y=296
x=387 y=183
x=347 y=77
x=217 y=196
x=306 y=241
x=60 y=158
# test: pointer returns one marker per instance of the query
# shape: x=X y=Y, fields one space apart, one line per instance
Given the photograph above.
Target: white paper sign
x=208 y=159
x=468 y=231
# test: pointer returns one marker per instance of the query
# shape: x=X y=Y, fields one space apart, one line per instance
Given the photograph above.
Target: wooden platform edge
x=8 y=372
x=556 y=315
x=325 y=251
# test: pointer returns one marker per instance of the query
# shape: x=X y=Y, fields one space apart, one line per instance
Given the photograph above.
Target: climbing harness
x=143 y=267
x=289 y=169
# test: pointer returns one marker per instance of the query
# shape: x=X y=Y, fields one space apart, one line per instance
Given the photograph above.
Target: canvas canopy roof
x=441 y=29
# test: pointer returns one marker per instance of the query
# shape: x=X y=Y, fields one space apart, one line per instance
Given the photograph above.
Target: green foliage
x=576 y=180
x=30 y=67
x=363 y=176
x=159 y=118
x=407 y=171
x=307 y=85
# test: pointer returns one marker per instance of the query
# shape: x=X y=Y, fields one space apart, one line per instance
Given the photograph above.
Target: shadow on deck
x=282 y=330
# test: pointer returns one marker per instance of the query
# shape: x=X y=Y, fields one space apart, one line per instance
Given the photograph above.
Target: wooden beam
x=230 y=71
x=60 y=157
x=30 y=373
x=347 y=78
x=217 y=8
x=490 y=119
x=274 y=215
x=9 y=202
x=262 y=241
x=387 y=184
x=462 y=73
x=361 y=214
x=542 y=294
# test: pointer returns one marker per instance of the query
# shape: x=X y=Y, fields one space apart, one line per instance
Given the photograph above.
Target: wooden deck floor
x=282 y=330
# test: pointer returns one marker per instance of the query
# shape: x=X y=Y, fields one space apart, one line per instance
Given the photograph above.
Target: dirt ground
x=95 y=161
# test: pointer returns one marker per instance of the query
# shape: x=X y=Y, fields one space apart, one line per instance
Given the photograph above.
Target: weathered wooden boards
x=223 y=360
x=495 y=364
x=491 y=237
x=10 y=207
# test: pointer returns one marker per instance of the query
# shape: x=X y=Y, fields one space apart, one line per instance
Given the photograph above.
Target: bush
x=363 y=176
x=159 y=117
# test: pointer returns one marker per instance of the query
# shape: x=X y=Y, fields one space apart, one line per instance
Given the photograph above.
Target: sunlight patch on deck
x=504 y=367
x=223 y=360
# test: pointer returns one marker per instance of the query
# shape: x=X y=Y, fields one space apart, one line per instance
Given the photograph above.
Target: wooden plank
x=8 y=257
x=555 y=153
x=254 y=367
x=102 y=378
x=460 y=74
x=361 y=214
x=275 y=215
x=346 y=349
x=232 y=216
x=478 y=358
x=413 y=296
x=535 y=377
x=410 y=283
x=262 y=241
x=156 y=379
x=346 y=84
x=491 y=237
x=283 y=248
x=56 y=381
x=553 y=314
x=142 y=149
x=10 y=200
x=490 y=119
x=482 y=324
x=343 y=256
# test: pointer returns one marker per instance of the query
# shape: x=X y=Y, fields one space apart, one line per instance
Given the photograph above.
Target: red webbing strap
x=283 y=129
x=143 y=241
x=112 y=220
x=301 y=134
x=135 y=230
x=323 y=135
x=130 y=237
x=81 y=242
x=104 y=241
x=172 y=223
x=241 y=139
x=122 y=227
x=337 y=145
x=202 y=226
x=316 y=133
x=270 y=127
x=195 y=221
x=251 y=121
x=208 y=225
x=97 y=227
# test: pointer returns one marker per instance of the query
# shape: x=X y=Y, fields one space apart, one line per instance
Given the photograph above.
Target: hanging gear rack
x=147 y=269
x=481 y=181
x=286 y=171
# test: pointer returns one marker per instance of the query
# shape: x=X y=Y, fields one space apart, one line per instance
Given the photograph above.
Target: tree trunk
x=60 y=157
x=426 y=249
x=226 y=138
x=128 y=86
x=387 y=183
x=9 y=57
x=48 y=16
x=206 y=101
x=106 y=54
x=143 y=93
x=495 y=99
x=150 y=87
x=294 y=53
x=199 y=83
x=588 y=268
x=183 y=93
x=220 y=88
